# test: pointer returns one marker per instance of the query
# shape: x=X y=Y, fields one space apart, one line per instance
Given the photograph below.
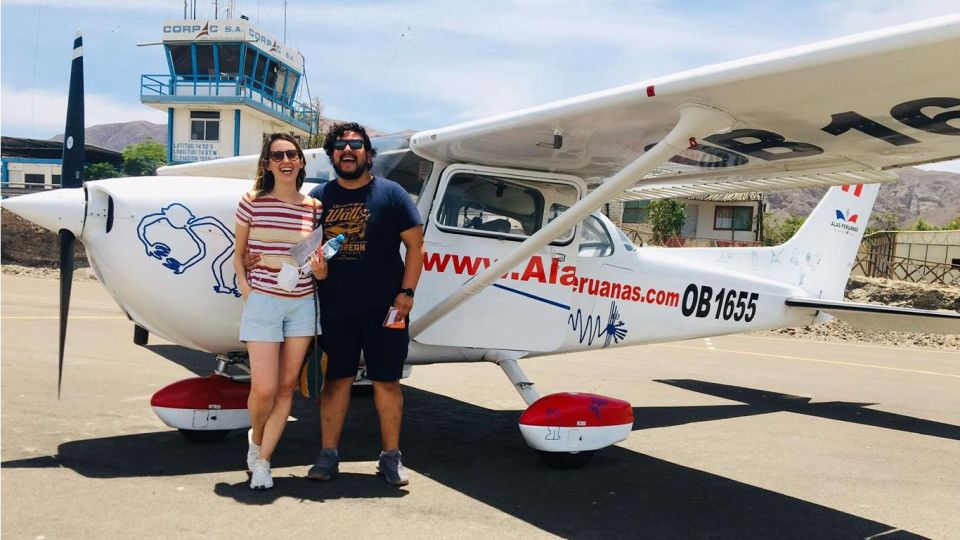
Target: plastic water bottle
x=332 y=246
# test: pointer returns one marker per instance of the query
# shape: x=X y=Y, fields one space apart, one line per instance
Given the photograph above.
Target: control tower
x=228 y=85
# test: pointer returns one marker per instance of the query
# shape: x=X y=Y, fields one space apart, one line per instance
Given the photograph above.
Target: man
x=365 y=279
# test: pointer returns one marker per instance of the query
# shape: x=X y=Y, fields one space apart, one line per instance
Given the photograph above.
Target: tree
x=666 y=218
x=144 y=158
x=885 y=221
x=777 y=231
x=923 y=225
x=98 y=171
x=316 y=123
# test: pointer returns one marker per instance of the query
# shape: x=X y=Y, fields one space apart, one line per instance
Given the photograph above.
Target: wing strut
x=695 y=123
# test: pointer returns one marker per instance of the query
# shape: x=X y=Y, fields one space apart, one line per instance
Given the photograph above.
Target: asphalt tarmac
x=735 y=437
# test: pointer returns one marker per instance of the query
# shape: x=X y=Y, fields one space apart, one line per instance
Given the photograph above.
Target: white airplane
x=520 y=262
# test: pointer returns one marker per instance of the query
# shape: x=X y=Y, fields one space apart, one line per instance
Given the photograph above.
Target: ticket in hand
x=308 y=246
x=394 y=319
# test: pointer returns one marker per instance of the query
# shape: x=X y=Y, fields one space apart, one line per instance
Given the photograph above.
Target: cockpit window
x=405 y=168
x=594 y=239
x=503 y=207
x=627 y=243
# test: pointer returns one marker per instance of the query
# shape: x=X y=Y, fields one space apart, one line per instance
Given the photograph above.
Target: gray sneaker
x=327 y=465
x=392 y=469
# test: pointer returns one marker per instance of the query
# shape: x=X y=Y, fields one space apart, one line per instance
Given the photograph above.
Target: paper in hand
x=394 y=319
x=303 y=249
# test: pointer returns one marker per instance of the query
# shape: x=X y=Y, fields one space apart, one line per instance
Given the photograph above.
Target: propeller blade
x=71 y=176
x=67 y=242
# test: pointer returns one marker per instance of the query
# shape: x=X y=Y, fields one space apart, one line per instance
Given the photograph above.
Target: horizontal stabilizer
x=879 y=317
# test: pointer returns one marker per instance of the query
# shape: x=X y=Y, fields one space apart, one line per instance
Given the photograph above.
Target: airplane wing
x=868 y=102
x=232 y=167
x=876 y=317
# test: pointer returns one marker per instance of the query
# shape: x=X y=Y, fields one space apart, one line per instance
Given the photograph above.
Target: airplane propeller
x=71 y=177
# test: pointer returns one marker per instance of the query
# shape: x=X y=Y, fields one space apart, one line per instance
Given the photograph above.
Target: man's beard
x=357 y=173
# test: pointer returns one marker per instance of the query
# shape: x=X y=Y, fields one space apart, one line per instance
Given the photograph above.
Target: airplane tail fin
x=818 y=258
x=825 y=248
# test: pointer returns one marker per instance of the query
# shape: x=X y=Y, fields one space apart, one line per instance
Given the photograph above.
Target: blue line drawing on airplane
x=591 y=329
x=179 y=218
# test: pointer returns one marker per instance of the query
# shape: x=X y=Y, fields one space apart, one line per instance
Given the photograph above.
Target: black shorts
x=384 y=349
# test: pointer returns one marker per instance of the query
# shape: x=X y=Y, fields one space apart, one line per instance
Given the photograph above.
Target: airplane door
x=479 y=215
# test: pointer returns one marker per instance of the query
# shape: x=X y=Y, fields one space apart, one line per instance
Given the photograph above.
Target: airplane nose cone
x=52 y=210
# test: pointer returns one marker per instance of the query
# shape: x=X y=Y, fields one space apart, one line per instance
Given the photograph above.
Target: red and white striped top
x=275 y=227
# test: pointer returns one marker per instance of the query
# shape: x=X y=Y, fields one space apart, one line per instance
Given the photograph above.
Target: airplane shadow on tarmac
x=479 y=452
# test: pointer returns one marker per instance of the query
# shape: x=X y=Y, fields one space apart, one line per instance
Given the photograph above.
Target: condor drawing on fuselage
x=519 y=260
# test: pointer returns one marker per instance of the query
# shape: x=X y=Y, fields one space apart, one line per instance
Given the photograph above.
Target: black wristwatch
x=407 y=292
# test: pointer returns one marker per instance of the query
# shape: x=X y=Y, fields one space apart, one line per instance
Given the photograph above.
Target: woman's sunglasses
x=277 y=155
x=340 y=144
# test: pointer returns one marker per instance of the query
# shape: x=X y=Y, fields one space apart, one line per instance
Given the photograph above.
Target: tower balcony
x=163 y=91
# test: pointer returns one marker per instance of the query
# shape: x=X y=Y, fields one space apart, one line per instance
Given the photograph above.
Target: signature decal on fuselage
x=592 y=328
x=171 y=237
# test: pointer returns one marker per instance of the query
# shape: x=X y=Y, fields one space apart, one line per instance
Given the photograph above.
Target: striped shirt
x=275 y=227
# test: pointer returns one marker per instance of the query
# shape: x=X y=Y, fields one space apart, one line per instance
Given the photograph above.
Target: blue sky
x=416 y=64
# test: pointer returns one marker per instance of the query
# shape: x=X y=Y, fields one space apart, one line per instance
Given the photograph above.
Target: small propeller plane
x=520 y=262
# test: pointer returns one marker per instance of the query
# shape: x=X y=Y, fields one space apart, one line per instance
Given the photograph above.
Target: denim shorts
x=271 y=318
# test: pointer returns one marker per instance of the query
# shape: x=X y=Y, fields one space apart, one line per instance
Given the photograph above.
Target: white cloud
x=42 y=113
x=105 y=6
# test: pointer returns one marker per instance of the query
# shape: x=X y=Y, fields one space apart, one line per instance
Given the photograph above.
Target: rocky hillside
x=116 y=137
x=932 y=195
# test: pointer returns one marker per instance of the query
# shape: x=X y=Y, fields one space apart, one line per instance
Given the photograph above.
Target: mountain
x=118 y=136
x=931 y=195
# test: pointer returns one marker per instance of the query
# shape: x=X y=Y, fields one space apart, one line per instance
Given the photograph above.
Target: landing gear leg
x=511 y=368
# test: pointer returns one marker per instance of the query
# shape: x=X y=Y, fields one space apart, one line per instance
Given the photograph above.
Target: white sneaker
x=253 y=450
x=261 y=478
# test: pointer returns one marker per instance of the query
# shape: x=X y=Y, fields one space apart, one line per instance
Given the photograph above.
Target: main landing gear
x=205 y=409
x=566 y=429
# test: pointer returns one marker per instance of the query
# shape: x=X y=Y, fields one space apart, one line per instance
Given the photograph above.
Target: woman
x=279 y=318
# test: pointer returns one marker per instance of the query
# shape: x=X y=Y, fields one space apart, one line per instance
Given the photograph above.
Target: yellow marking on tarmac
x=787 y=357
x=72 y=317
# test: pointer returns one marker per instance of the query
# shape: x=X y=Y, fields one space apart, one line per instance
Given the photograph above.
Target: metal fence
x=885 y=265
x=12 y=189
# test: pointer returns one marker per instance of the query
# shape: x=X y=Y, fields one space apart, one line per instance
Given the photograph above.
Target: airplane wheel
x=566 y=460
x=204 y=436
x=140 y=335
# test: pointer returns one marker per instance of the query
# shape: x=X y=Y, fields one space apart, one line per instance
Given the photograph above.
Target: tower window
x=204 y=125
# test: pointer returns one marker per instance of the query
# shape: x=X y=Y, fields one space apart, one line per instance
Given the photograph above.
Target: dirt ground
x=28 y=249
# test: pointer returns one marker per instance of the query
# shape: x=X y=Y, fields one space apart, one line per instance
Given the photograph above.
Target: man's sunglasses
x=340 y=144
x=277 y=155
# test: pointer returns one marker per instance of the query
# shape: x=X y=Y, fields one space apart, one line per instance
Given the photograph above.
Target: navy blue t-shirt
x=365 y=276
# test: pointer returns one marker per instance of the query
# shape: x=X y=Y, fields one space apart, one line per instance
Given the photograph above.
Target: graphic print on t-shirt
x=350 y=220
